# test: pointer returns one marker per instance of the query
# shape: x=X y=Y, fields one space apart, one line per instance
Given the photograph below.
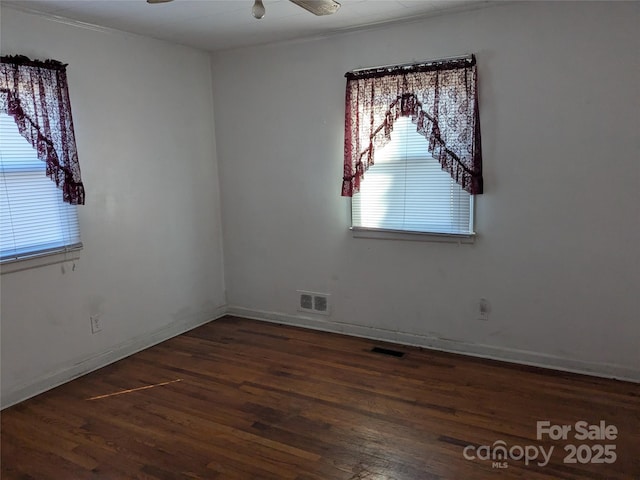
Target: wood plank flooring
x=241 y=399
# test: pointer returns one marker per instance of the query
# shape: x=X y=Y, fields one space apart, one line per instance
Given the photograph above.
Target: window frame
x=42 y=260
x=36 y=257
x=377 y=96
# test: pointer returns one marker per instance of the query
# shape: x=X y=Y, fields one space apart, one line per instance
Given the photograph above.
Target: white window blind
x=406 y=190
x=33 y=218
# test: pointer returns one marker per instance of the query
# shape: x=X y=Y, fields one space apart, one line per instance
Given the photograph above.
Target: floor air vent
x=386 y=351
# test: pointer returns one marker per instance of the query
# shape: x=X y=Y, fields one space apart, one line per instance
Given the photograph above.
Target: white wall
x=557 y=253
x=152 y=262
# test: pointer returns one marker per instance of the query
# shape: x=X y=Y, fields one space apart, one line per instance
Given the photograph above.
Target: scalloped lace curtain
x=36 y=95
x=440 y=98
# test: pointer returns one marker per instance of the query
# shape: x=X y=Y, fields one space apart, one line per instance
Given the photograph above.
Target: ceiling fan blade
x=318 y=7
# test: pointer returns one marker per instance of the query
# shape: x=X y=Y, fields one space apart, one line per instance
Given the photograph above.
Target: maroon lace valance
x=441 y=99
x=36 y=95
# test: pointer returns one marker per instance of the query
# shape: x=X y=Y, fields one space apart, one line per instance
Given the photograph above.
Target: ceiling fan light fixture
x=318 y=7
x=258 y=9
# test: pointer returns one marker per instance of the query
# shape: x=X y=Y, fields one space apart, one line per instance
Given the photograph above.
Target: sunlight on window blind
x=407 y=190
x=33 y=217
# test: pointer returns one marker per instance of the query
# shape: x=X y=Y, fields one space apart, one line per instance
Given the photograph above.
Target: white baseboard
x=86 y=365
x=125 y=349
x=523 y=357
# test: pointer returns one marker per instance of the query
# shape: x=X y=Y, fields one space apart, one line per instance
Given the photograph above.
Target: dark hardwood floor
x=240 y=399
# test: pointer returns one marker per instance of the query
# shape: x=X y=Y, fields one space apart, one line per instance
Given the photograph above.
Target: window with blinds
x=406 y=190
x=33 y=218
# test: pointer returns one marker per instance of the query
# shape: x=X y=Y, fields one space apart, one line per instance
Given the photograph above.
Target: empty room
x=319 y=240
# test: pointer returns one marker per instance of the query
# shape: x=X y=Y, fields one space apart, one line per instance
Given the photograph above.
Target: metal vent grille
x=320 y=303
x=306 y=301
x=314 y=302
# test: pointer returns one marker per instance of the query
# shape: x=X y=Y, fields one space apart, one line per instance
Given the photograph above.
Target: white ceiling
x=222 y=24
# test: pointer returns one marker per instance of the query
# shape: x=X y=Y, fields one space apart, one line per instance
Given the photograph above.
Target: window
x=40 y=181
x=407 y=190
x=412 y=151
x=34 y=220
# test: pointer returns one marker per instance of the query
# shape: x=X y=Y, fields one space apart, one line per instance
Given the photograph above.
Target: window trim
x=45 y=258
x=383 y=234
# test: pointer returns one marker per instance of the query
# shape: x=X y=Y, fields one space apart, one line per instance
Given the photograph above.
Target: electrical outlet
x=96 y=323
x=484 y=308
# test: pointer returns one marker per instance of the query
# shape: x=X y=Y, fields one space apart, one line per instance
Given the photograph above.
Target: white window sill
x=42 y=259
x=383 y=234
